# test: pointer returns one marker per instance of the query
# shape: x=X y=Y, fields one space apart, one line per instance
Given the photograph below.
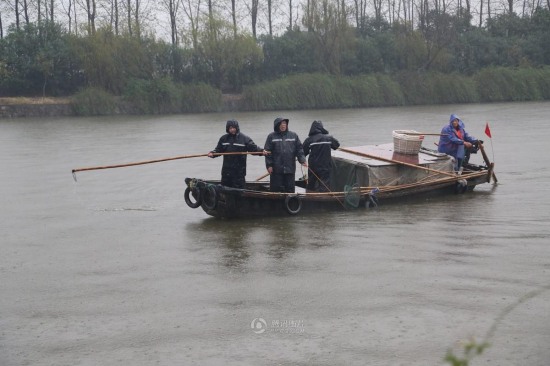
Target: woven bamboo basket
x=407 y=141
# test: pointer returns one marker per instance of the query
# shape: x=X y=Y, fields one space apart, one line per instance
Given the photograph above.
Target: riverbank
x=18 y=107
x=35 y=107
x=299 y=92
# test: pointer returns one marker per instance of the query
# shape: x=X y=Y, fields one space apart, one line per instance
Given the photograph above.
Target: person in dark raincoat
x=454 y=140
x=234 y=166
x=318 y=145
x=283 y=147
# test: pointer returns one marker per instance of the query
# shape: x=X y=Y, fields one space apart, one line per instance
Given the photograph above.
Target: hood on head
x=277 y=122
x=453 y=117
x=232 y=123
x=317 y=128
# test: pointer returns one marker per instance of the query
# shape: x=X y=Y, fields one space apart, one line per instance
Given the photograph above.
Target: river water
x=116 y=269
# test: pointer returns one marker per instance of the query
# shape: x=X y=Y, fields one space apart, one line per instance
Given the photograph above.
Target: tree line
x=114 y=49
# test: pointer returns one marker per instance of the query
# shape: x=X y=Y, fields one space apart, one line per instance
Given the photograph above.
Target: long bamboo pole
x=161 y=160
x=396 y=162
x=422 y=134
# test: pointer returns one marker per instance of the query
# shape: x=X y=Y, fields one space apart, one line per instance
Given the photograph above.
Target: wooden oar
x=158 y=161
x=396 y=162
x=490 y=165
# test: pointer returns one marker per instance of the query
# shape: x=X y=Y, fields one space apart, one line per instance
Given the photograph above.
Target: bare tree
x=254 y=16
x=17 y=14
x=172 y=6
x=129 y=14
x=360 y=14
x=234 y=17
x=480 y=13
x=26 y=12
x=468 y=7
x=91 y=12
x=290 y=15
x=89 y=8
x=510 y=6
x=114 y=15
x=270 y=16
x=67 y=9
x=192 y=8
x=137 y=18
x=377 y=12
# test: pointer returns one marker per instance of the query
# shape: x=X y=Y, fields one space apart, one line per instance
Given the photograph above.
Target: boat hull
x=256 y=200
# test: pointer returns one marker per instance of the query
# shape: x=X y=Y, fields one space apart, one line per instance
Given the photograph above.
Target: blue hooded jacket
x=450 y=143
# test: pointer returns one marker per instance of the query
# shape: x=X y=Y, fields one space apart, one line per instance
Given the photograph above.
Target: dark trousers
x=282 y=183
x=233 y=180
x=318 y=180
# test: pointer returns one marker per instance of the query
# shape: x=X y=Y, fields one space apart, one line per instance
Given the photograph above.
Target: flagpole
x=488 y=133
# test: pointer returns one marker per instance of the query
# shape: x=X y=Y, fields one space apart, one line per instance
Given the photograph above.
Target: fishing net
x=352 y=195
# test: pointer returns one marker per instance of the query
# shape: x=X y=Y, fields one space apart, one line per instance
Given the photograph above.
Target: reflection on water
x=267 y=242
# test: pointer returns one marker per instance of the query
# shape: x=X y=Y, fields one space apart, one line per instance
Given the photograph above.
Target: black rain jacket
x=285 y=147
x=235 y=164
x=317 y=145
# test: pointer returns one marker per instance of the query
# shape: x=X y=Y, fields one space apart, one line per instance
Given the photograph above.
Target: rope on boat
x=323 y=183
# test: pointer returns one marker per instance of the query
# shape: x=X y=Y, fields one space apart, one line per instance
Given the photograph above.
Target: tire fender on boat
x=210 y=197
x=196 y=195
x=293 y=200
x=461 y=186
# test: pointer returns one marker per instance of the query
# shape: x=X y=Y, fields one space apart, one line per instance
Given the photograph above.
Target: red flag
x=488 y=130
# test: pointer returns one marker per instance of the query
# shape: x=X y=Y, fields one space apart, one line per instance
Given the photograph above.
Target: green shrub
x=93 y=102
x=390 y=90
x=157 y=96
x=197 y=98
x=317 y=91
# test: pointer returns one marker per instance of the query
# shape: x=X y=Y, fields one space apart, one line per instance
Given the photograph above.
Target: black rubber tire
x=288 y=203
x=196 y=195
x=210 y=197
x=461 y=187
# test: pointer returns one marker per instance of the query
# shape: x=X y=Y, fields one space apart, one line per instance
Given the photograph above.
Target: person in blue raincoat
x=454 y=140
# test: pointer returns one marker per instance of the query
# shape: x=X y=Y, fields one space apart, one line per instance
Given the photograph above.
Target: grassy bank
x=323 y=91
x=314 y=91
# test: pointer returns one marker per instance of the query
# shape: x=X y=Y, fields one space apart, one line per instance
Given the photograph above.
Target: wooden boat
x=362 y=176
